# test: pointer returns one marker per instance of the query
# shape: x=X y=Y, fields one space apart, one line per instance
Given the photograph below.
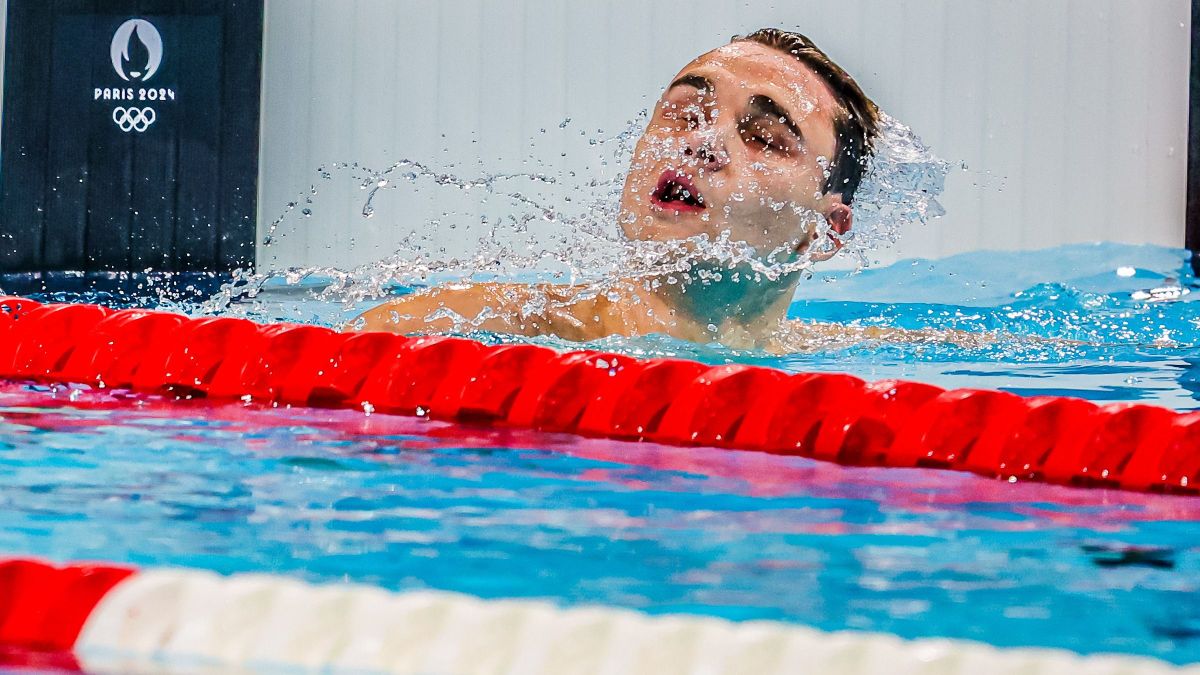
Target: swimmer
x=763 y=141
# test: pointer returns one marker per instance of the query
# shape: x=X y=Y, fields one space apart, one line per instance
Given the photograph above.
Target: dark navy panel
x=64 y=233
x=130 y=135
x=239 y=130
x=24 y=139
x=197 y=198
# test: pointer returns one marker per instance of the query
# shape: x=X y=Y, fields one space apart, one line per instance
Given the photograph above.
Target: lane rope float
x=832 y=417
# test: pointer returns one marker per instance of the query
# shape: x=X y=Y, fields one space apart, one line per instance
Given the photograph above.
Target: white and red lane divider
x=826 y=416
x=116 y=619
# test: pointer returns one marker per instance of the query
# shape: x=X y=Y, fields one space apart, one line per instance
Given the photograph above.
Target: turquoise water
x=408 y=503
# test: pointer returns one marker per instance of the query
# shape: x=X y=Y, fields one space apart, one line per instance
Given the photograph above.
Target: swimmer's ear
x=840 y=218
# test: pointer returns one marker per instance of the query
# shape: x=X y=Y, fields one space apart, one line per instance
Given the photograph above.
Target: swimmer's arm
x=804 y=336
x=496 y=307
x=961 y=338
x=440 y=310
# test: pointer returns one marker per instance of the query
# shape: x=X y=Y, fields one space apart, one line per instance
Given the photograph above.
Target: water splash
x=561 y=228
x=901 y=186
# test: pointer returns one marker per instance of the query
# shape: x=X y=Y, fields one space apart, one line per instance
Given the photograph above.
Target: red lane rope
x=43 y=608
x=827 y=416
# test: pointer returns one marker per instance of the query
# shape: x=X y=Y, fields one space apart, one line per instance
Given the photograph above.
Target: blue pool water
x=408 y=503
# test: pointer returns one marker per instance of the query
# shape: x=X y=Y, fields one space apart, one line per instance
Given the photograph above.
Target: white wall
x=1070 y=115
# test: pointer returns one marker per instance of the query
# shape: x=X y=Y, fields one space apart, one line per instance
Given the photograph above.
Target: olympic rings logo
x=133 y=118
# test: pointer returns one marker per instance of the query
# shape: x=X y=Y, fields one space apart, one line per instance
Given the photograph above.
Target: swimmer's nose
x=707 y=157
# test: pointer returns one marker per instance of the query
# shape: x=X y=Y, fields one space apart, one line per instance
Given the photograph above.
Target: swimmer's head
x=765 y=139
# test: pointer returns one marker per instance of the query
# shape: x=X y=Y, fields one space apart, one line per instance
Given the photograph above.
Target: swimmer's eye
x=757 y=138
x=689 y=116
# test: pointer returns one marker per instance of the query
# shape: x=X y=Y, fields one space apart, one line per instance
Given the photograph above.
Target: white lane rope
x=171 y=620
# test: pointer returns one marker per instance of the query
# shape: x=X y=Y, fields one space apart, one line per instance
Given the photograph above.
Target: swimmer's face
x=739 y=144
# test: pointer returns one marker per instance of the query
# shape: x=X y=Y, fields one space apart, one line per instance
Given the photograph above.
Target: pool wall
x=1070 y=117
x=1016 y=95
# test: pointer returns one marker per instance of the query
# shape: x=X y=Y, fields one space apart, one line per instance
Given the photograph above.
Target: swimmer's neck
x=738 y=308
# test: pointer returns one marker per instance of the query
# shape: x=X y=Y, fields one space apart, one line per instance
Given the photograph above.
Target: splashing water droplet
x=560 y=227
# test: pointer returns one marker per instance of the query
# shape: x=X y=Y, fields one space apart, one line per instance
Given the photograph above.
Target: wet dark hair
x=856 y=124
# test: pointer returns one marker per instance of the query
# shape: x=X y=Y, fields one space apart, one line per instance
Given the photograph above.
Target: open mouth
x=677 y=192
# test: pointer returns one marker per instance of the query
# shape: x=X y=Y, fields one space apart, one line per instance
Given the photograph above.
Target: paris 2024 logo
x=136 y=53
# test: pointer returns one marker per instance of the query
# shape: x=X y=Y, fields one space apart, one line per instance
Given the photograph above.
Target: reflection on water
x=408 y=503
